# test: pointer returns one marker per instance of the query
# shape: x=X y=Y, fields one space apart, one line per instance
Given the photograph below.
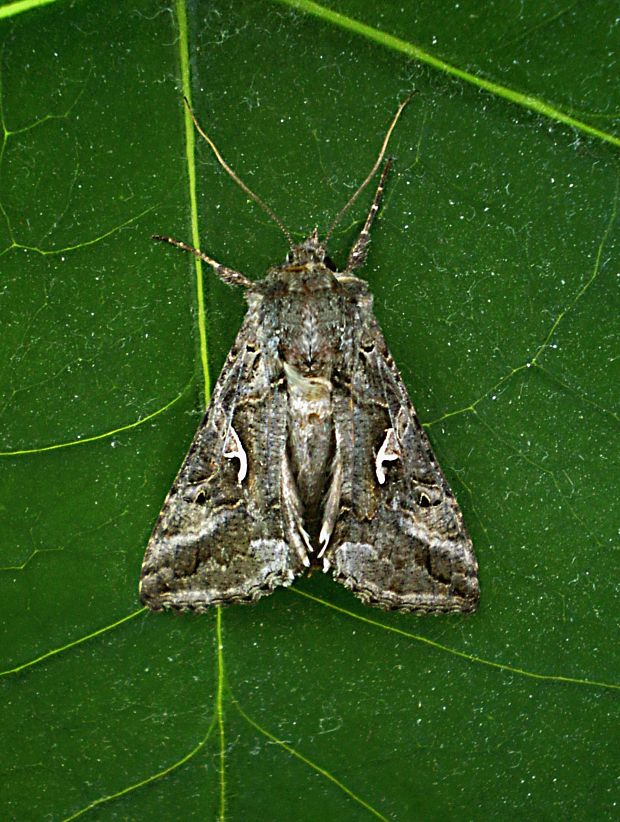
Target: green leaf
x=493 y=266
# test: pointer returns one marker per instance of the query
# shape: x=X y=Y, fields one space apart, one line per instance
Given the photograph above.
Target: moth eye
x=329 y=263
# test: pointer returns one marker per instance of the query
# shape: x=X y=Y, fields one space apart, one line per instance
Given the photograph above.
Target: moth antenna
x=239 y=182
x=372 y=171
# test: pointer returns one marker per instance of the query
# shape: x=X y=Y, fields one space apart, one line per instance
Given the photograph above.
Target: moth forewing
x=310 y=452
x=217 y=540
x=400 y=541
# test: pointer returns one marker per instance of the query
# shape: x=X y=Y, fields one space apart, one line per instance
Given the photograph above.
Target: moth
x=310 y=452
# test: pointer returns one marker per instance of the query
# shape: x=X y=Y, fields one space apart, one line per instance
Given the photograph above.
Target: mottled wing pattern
x=399 y=541
x=229 y=529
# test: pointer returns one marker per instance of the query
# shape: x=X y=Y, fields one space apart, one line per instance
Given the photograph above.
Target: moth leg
x=357 y=256
x=227 y=275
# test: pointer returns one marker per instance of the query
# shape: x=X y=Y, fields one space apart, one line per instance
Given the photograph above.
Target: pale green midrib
x=11 y=9
x=191 y=174
x=396 y=44
x=202 y=335
x=219 y=710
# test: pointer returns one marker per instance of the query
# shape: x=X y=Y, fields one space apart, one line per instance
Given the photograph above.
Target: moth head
x=312 y=250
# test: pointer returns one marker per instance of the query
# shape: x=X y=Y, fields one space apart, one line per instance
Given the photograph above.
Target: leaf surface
x=493 y=266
